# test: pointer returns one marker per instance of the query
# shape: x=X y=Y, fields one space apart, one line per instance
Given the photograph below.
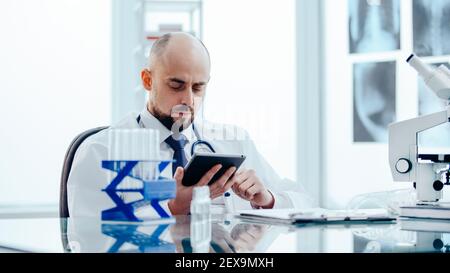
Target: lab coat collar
x=152 y=122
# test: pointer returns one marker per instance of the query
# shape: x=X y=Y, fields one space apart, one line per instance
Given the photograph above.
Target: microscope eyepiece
x=409 y=58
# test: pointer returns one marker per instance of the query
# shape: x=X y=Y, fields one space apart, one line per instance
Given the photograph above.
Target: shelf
x=172 y=6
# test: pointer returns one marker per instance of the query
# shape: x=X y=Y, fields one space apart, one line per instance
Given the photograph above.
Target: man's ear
x=147 y=79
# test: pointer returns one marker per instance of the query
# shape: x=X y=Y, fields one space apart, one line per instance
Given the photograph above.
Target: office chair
x=67 y=166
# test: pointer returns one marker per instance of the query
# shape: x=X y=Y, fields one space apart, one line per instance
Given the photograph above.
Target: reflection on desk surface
x=223 y=234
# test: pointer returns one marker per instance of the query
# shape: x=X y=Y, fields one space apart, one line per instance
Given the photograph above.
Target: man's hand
x=249 y=187
x=182 y=202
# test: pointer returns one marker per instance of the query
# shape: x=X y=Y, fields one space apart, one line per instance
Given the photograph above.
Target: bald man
x=176 y=81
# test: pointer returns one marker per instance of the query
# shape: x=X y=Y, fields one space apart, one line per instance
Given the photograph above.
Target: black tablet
x=201 y=163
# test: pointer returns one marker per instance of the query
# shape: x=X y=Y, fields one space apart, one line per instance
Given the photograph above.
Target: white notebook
x=317 y=215
x=435 y=211
x=429 y=225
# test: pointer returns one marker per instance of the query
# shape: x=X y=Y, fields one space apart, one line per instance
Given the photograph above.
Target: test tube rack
x=152 y=192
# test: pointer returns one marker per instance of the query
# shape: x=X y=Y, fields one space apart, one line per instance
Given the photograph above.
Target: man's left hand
x=249 y=187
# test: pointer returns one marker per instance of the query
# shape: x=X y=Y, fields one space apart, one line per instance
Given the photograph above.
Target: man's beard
x=176 y=126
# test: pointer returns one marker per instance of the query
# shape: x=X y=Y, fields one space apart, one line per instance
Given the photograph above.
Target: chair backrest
x=67 y=166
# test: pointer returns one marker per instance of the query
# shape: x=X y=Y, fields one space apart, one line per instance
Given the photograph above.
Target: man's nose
x=188 y=97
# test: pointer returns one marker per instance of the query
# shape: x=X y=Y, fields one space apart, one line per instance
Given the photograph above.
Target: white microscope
x=429 y=172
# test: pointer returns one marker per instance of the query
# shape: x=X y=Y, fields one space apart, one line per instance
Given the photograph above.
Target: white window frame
x=310 y=170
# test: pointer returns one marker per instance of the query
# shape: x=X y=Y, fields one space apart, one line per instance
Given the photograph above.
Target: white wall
x=55 y=63
x=252 y=46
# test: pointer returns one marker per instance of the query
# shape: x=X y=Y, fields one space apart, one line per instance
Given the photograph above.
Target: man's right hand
x=182 y=202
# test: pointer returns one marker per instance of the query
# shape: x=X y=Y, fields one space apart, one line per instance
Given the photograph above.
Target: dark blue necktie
x=177 y=144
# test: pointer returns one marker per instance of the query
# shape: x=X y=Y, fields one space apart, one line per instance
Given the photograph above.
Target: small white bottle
x=200 y=220
x=201 y=202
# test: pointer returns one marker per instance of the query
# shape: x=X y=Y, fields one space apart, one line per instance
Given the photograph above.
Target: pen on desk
x=228 y=202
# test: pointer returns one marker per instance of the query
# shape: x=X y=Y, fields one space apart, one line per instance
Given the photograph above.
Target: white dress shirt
x=87 y=178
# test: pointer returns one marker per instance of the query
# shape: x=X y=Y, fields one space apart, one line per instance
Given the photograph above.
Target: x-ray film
x=374 y=25
x=431 y=26
x=373 y=100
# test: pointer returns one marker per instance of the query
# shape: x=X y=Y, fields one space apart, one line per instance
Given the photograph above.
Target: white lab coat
x=87 y=178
